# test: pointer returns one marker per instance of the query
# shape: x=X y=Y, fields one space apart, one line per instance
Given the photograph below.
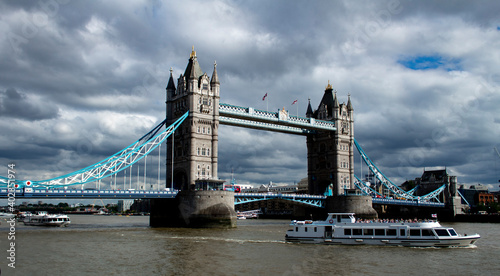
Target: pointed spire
x=335 y=101
x=171 y=85
x=215 y=77
x=193 y=53
x=329 y=86
x=309 y=112
x=349 y=105
x=193 y=70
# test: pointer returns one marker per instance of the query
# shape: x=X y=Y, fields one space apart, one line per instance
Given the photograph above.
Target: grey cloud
x=71 y=75
x=17 y=105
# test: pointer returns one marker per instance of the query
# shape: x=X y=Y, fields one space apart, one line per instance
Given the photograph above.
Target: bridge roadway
x=239 y=198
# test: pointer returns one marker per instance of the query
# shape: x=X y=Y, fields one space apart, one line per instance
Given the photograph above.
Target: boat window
x=305 y=229
x=357 y=232
x=427 y=232
x=452 y=232
x=402 y=232
x=296 y=229
x=415 y=232
x=315 y=229
x=347 y=232
x=379 y=232
x=368 y=232
x=391 y=232
x=442 y=232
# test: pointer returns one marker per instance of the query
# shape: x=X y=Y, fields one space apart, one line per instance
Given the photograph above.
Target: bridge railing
x=406 y=202
x=280 y=195
x=63 y=193
x=251 y=113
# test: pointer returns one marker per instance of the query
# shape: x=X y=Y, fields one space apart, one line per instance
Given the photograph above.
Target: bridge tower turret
x=330 y=155
x=195 y=148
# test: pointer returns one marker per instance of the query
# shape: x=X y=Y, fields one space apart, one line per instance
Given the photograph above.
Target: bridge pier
x=194 y=209
x=358 y=204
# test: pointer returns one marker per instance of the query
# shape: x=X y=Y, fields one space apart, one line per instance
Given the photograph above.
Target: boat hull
x=455 y=242
x=62 y=224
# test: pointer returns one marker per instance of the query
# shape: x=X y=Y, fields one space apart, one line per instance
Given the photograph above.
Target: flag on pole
x=264 y=98
x=434 y=215
x=294 y=102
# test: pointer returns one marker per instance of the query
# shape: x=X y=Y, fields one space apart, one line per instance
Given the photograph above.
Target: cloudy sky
x=80 y=80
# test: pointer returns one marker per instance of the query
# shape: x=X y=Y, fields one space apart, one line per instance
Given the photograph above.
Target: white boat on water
x=6 y=215
x=343 y=228
x=42 y=218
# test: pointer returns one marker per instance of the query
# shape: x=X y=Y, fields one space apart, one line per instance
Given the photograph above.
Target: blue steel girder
x=275 y=121
x=367 y=190
x=312 y=200
x=397 y=191
x=111 y=165
x=70 y=193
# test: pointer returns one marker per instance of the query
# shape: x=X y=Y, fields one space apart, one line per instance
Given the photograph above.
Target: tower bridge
x=193 y=116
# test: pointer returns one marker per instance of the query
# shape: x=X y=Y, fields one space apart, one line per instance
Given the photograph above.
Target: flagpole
x=296 y=102
x=267 y=103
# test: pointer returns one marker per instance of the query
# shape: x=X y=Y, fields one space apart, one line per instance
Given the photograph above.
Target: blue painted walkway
x=239 y=198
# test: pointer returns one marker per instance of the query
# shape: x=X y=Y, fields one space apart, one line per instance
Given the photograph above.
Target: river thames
x=120 y=245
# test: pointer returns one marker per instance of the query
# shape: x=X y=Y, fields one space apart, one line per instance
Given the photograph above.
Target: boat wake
x=222 y=239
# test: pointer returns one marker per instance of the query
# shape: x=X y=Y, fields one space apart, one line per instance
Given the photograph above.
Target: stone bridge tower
x=195 y=147
x=330 y=159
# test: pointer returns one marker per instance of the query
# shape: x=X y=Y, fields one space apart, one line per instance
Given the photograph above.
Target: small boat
x=6 y=215
x=42 y=218
x=21 y=216
x=241 y=216
x=343 y=228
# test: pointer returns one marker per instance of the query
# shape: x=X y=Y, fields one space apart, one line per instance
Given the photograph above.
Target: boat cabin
x=340 y=218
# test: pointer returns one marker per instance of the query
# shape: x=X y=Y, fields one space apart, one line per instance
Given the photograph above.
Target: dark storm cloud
x=94 y=74
x=17 y=105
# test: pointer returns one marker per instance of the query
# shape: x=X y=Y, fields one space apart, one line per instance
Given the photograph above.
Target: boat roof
x=342 y=214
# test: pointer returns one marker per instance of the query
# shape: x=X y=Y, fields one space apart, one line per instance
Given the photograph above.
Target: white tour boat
x=42 y=218
x=343 y=228
x=5 y=215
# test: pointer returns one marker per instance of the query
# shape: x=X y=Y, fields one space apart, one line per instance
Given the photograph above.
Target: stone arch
x=180 y=179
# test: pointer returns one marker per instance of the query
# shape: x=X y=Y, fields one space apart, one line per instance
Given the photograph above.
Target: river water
x=120 y=245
